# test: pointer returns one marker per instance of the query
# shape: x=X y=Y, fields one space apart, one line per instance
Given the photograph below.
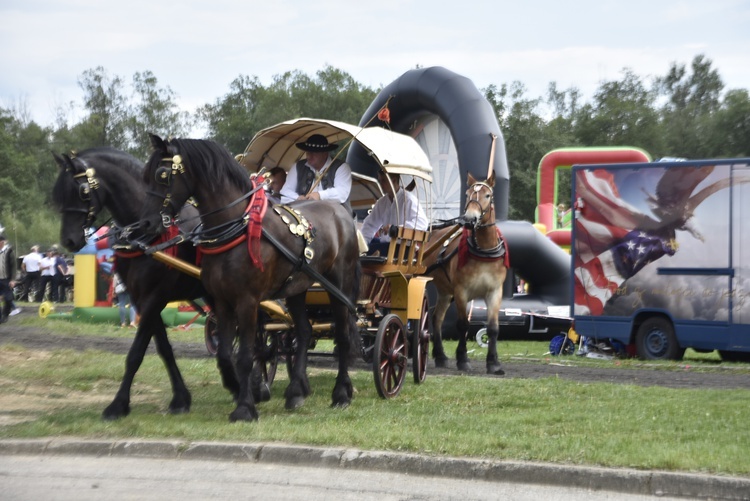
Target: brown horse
x=472 y=264
x=251 y=254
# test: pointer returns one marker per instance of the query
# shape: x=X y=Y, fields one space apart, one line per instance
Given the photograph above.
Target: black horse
x=314 y=242
x=100 y=178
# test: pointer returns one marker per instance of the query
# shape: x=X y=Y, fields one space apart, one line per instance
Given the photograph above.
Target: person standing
x=124 y=303
x=61 y=271
x=318 y=176
x=47 y=267
x=7 y=280
x=31 y=265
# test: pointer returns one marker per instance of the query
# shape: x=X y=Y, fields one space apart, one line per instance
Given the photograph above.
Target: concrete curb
x=629 y=481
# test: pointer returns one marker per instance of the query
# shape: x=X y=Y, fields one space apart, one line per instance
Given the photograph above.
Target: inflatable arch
x=460 y=118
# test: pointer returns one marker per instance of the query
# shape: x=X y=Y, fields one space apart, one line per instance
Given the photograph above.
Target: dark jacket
x=9 y=255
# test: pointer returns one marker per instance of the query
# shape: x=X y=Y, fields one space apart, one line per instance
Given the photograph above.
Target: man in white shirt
x=318 y=176
x=405 y=211
x=31 y=265
x=48 y=274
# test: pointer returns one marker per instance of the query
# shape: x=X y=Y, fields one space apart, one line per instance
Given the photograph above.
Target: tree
x=731 y=126
x=234 y=119
x=106 y=123
x=692 y=100
x=154 y=111
x=622 y=114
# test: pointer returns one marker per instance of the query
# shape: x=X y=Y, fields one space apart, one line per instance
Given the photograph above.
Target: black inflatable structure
x=466 y=112
x=472 y=124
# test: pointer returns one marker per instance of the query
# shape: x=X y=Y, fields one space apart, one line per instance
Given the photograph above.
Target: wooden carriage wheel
x=390 y=358
x=421 y=343
x=268 y=346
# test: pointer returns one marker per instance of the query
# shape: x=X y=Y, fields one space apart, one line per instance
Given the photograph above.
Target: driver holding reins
x=318 y=176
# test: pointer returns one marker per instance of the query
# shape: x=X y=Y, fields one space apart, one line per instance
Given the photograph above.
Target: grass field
x=63 y=392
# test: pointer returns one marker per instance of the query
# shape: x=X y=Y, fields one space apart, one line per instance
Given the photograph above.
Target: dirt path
x=44 y=340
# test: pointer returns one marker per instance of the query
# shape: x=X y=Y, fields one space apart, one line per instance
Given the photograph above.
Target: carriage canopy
x=396 y=153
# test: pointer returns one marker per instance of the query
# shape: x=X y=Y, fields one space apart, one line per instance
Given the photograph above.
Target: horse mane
x=217 y=165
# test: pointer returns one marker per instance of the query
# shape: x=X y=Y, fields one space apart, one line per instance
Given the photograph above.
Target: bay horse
x=105 y=178
x=473 y=264
x=250 y=254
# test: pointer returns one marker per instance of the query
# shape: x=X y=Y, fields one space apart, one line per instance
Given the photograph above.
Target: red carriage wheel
x=421 y=343
x=390 y=357
x=211 y=332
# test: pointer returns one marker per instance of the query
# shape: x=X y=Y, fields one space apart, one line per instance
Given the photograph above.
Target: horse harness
x=236 y=230
x=468 y=240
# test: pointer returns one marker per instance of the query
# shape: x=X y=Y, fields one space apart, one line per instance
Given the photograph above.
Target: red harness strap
x=256 y=209
x=171 y=232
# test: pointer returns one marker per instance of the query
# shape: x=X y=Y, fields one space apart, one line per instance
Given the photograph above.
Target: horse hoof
x=115 y=411
x=294 y=403
x=179 y=410
x=441 y=362
x=243 y=414
x=464 y=366
x=265 y=393
x=496 y=370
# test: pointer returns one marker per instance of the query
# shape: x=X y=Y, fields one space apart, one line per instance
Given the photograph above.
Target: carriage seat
x=405 y=251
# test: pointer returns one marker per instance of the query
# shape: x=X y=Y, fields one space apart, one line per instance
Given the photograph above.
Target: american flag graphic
x=610 y=248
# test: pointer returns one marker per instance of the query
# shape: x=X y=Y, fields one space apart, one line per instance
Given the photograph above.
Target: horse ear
x=491 y=179
x=60 y=161
x=157 y=143
x=470 y=180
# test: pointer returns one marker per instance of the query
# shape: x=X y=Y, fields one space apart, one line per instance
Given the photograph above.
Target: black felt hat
x=317 y=142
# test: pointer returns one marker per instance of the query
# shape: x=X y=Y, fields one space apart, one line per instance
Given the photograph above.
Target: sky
x=198 y=48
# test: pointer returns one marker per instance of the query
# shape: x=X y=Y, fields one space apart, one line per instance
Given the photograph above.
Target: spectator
x=48 y=276
x=31 y=265
x=7 y=282
x=124 y=302
x=61 y=271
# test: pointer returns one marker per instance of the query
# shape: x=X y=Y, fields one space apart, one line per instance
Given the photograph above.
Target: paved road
x=82 y=478
x=74 y=469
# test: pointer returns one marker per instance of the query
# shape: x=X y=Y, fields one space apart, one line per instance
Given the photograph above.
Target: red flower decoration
x=384 y=115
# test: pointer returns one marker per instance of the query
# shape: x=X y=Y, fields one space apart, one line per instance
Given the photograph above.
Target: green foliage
x=682 y=113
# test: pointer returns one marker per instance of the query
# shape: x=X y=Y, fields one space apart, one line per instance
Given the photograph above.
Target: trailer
x=659 y=259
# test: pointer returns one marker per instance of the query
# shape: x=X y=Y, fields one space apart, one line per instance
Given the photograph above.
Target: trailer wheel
x=656 y=340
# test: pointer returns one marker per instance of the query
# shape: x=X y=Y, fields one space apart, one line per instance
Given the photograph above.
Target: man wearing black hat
x=7 y=274
x=318 y=176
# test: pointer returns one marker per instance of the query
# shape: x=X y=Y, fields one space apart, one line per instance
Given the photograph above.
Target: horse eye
x=162 y=175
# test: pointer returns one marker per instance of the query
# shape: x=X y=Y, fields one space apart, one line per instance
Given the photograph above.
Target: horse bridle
x=164 y=175
x=86 y=192
x=474 y=189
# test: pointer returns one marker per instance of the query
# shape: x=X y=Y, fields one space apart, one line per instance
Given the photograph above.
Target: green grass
x=551 y=419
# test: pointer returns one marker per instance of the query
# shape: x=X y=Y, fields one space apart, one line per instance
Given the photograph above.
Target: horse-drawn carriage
x=308 y=255
x=392 y=307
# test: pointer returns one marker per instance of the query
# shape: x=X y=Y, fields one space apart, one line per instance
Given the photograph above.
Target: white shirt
x=32 y=261
x=409 y=215
x=342 y=184
x=47 y=265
